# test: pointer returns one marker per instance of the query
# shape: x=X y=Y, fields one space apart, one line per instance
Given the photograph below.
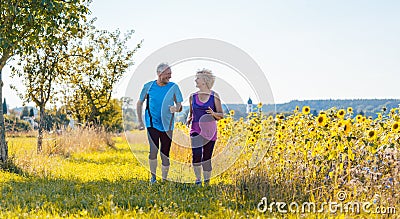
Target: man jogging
x=163 y=98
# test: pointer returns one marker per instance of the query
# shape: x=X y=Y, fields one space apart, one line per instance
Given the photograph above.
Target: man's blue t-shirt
x=160 y=99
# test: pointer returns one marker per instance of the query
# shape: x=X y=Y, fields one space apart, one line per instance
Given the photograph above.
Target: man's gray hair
x=162 y=67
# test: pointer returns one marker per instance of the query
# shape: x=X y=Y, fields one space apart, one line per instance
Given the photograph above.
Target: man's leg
x=166 y=140
x=154 y=139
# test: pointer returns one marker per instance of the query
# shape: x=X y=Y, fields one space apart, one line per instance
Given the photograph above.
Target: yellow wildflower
x=396 y=127
x=350 y=110
x=306 y=110
x=341 y=113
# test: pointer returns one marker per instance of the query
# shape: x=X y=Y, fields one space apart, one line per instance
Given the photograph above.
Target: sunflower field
x=315 y=158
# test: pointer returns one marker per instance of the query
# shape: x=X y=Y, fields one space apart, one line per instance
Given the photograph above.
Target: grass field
x=108 y=183
x=308 y=159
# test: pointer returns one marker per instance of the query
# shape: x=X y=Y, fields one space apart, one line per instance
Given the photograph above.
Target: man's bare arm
x=139 y=108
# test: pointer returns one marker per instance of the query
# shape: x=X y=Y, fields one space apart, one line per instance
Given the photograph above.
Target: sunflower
x=341 y=113
x=350 y=110
x=297 y=108
x=371 y=135
x=279 y=135
x=224 y=133
x=279 y=117
x=321 y=119
x=306 y=110
x=359 y=118
x=232 y=112
x=264 y=122
x=396 y=127
x=221 y=125
x=251 y=140
x=259 y=105
x=379 y=116
x=340 y=124
x=347 y=127
x=392 y=111
x=257 y=128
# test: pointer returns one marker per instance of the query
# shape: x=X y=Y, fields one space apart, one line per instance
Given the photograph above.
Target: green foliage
x=26 y=25
x=31 y=113
x=25 y=112
x=56 y=119
x=95 y=64
x=111 y=116
x=129 y=114
x=14 y=124
x=130 y=119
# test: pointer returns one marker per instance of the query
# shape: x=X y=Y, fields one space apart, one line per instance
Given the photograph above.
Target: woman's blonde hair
x=208 y=77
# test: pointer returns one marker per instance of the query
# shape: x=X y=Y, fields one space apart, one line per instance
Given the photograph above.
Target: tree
x=31 y=113
x=55 y=119
x=127 y=102
x=41 y=72
x=24 y=113
x=96 y=64
x=128 y=113
x=111 y=116
x=23 y=24
x=4 y=106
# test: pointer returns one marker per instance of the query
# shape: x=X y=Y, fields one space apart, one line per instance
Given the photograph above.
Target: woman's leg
x=197 y=151
x=208 y=149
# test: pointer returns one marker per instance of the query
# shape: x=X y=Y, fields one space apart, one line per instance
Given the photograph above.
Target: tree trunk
x=3 y=143
x=40 y=130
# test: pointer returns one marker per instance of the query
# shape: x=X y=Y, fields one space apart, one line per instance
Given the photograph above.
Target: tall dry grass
x=77 y=140
x=24 y=159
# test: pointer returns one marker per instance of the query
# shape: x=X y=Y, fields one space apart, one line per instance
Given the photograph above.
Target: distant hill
x=367 y=107
x=19 y=110
x=370 y=107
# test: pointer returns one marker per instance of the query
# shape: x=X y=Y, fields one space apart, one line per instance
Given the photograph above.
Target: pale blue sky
x=307 y=49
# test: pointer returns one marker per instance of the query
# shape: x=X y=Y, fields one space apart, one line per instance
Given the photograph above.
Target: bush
x=15 y=124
